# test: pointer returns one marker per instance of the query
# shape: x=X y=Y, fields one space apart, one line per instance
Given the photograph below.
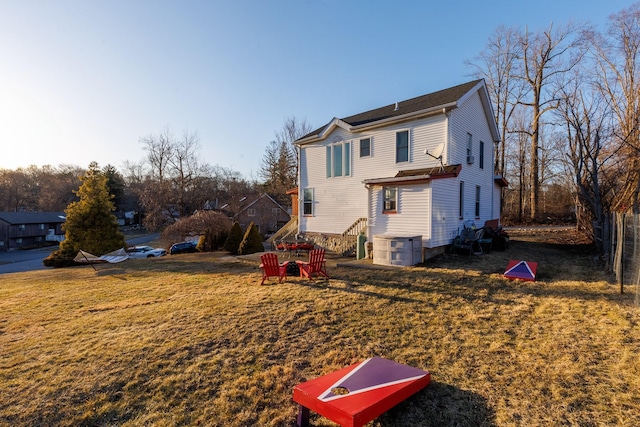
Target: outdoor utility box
x=397 y=250
x=360 y=248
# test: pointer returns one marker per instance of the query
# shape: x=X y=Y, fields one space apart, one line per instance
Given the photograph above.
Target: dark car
x=183 y=248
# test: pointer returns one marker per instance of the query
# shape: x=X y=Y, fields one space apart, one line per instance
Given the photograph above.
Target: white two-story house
x=419 y=167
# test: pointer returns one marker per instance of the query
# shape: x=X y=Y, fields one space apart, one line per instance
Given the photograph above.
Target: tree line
x=170 y=182
x=567 y=103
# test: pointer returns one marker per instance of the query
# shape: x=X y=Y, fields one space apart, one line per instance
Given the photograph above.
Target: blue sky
x=85 y=80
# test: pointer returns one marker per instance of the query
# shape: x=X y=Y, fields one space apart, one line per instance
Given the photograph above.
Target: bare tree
x=498 y=65
x=617 y=61
x=546 y=56
x=279 y=169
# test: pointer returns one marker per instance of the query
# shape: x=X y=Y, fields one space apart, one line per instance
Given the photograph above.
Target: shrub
x=251 y=242
x=234 y=239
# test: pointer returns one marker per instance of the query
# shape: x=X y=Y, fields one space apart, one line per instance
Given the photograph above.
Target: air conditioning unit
x=470 y=160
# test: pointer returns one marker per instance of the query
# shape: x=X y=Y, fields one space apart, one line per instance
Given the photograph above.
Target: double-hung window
x=307 y=202
x=481 y=156
x=469 y=145
x=365 y=147
x=477 y=201
x=338 y=159
x=402 y=146
x=390 y=200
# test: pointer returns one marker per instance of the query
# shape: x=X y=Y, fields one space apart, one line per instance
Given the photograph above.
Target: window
x=41 y=226
x=275 y=212
x=307 y=202
x=338 y=159
x=390 y=199
x=365 y=147
x=477 y=201
x=251 y=212
x=21 y=227
x=461 y=201
x=402 y=146
x=469 y=145
x=481 y=156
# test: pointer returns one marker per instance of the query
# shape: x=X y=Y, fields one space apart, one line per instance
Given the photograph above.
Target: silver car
x=145 y=252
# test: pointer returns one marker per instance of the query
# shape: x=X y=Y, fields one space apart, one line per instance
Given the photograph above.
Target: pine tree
x=251 y=242
x=90 y=224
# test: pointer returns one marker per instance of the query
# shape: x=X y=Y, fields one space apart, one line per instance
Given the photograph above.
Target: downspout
x=369 y=236
x=300 y=191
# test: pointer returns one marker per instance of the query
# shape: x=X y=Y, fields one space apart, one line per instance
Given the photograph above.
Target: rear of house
x=420 y=167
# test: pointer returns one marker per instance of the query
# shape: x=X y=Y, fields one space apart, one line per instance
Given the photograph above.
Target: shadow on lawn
x=440 y=405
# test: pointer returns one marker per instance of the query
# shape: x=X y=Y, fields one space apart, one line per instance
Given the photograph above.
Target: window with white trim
x=402 y=146
x=251 y=212
x=365 y=147
x=307 y=202
x=481 y=156
x=338 y=159
x=390 y=200
x=477 y=201
x=469 y=145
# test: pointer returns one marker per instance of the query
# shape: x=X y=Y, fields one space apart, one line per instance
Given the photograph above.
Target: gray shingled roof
x=32 y=217
x=412 y=105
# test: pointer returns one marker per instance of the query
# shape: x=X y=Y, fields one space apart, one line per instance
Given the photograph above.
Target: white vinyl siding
x=429 y=209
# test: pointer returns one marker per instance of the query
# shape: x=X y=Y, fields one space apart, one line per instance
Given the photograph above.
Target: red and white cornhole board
x=523 y=270
x=355 y=395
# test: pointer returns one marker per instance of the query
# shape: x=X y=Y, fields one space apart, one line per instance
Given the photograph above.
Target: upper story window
x=469 y=144
x=365 y=147
x=251 y=212
x=481 y=155
x=338 y=159
x=390 y=200
x=21 y=227
x=402 y=146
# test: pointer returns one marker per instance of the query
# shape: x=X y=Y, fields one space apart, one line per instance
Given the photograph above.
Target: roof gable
x=404 y=110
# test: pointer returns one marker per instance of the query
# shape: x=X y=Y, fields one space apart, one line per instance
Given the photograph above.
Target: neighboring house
x=417 y=167
x=29 y=229
x=267 y=214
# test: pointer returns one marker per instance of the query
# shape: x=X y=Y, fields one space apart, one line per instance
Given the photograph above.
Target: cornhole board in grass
x=523 y=270
x=355 y=395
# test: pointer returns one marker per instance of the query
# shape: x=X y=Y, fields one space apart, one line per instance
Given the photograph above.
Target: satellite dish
x=437 y=152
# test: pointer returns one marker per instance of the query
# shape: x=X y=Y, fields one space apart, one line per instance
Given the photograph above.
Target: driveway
x=21 y=261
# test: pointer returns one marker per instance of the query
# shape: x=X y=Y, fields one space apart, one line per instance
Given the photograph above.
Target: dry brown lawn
x=194 y=340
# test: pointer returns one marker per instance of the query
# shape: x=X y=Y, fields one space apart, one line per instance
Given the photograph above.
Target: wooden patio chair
x=271 y=268
x=316 y=266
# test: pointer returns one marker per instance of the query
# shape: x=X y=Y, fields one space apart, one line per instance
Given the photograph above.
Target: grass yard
x=194 y=340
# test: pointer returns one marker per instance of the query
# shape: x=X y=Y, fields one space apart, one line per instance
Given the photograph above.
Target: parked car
x=183 y=248
x=145 y=252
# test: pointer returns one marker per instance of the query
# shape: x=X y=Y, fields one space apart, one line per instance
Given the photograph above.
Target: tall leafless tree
x=546 y=56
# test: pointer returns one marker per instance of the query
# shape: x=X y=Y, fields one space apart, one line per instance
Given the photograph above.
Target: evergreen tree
x=90 y=224
x=251 y=242
x=234 y=239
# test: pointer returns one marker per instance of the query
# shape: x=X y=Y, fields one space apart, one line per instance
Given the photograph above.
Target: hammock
x=116 y=256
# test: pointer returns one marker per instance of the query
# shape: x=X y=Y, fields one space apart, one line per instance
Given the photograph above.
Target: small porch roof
x=417 y=176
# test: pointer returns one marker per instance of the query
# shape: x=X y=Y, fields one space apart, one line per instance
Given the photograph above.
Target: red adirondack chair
x=271 y=268
x=316 y=266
